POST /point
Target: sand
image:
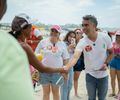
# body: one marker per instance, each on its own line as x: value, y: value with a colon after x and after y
x: 82, y: 90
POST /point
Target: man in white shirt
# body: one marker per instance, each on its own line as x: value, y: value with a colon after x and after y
x: 95, y: 47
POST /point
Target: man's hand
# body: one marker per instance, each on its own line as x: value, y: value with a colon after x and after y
x: 65, y: 75
x: 104, y: 67
x: 73, y: 60
x: 65, y: 68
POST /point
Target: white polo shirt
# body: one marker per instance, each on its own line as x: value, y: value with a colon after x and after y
x: 53, y: 55
x: 95, y: 54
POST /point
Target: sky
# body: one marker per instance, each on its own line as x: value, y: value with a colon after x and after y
x: 63, y: 12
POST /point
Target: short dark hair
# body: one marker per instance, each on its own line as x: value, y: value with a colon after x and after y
x: 91, y: 18
x: 3, y: 7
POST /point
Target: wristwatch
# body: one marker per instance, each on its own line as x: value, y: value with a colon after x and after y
x: 106, y: 63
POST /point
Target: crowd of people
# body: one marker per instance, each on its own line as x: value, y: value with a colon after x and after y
x: 85, y: 49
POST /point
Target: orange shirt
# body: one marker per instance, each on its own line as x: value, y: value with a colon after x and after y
x: 33, y: 38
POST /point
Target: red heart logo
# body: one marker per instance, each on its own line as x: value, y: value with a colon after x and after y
x: 88, y: 48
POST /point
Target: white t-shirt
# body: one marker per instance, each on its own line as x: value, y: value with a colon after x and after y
x: 53, y: 56
x: 37, y: 32
x: 95, y: 53
x: 70, y: 51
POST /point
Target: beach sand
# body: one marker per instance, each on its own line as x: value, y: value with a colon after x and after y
x: 82, y: 90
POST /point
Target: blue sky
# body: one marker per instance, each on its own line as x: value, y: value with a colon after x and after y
x: 66, y: 11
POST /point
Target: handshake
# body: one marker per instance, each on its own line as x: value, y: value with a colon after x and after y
x: 64, y: 69
x: 64, y: 72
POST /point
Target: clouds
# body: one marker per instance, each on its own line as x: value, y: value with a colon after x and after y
x: 112, y: 13
x: 65, y: 11
x: 116, y: 1
x: 56, y: 11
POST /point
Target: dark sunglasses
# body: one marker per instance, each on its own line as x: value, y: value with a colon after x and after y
x: 54, y: 35
x: 53, y: 30
x: 78, y: 32
x: 85, y: 25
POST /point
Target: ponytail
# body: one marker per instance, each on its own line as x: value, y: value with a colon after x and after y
x: 15, y: 34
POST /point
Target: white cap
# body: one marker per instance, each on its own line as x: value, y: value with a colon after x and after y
x: 26, y: 17
x: 118, y: 33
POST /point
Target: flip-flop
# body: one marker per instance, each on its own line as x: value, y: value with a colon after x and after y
x: 112, y: 95
x: 78, y: 96
x: 116, y: 96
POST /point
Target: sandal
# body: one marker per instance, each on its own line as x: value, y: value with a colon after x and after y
x: 112, y: 95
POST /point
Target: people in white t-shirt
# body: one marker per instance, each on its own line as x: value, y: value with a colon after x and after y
x: 95, y: 54
x: 55, y: 55
x: 98, y: 52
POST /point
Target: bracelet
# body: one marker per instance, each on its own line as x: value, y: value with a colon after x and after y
x: 106, y: 63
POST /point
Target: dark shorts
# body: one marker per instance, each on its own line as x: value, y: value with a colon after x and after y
x: 79, y: 66
x: 115, y: 63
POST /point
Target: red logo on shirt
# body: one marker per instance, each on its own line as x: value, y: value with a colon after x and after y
x: 52, y: 48
x: 49, y: 47
x: 88, y: 48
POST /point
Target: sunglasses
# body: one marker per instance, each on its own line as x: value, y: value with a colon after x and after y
x: 54, y: 35
x: 85, y: 25
x: 78, y: 32
x: 53, y: 30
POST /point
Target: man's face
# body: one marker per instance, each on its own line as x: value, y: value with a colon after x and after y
x: 3, y: 7
x: 87, y: 26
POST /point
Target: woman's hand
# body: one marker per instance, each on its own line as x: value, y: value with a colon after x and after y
x: 72, y: 46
